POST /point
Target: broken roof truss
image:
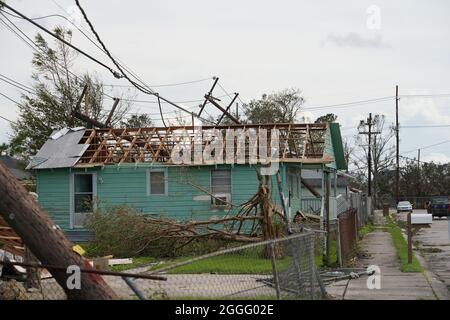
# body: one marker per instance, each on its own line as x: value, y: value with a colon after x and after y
x: 301, y: 143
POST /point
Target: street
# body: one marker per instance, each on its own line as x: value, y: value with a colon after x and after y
x: 434, y: 245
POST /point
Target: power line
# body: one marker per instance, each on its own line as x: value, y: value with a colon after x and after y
x: 349, y: 104
x: 162, y: 85
x: 107, y: 51
x: 435, y: 95
x: 426, y: 126
x: 18, y: 83
x: 15, y: 85
x: 147, y: 90
x: 115, y: 73
x: 427, y: 146
x: 10, y: 99
x: 6, y: 119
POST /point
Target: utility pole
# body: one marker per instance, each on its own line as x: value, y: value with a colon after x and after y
x: 419, y: 181
x: 397, y: 136
x: 375, y: 170
x: 369, y: 123
x: 369, y: 155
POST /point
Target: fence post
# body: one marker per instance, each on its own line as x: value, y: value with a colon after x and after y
x: 134, y: 288
x: 339, y: 243
x: 312, y: 266
x: 275, y: 271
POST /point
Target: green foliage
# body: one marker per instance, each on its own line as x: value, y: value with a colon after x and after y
x: 402, y: 248
x: 366, y: 229
x: 281, y: 107
x: 137, y: 121
x: 329, y: 117
x: 333, y: 259
x: 124, y: 232
x: 4, y: 149
x: 57, y: 93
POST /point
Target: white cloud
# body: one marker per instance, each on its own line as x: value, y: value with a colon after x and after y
x: 436, y: 157
x: 422, y: 110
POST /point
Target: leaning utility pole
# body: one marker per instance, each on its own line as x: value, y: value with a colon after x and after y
x: 46, y: 241
x: 397, y: 136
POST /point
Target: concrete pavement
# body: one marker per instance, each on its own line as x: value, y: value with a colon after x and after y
x: 395, y: 285
x: 433, y: 244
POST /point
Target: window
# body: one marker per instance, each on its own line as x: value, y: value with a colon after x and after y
x: 83, y: 198
x: 221, y: 186
x: 157, y: 182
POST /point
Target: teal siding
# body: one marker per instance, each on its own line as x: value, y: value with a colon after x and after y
x: 53, y: 188
x: 128, y: 185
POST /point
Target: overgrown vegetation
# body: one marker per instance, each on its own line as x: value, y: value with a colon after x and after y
x: 124, y: 232
x: 333, y: 259
x: 366, y: 229
x: 401, y: 247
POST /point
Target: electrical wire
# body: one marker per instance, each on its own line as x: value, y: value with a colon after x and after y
x: 350, y: 104
x: 160, y: 111
x: 163, y: 85
x: 115, y: 73
x: 425, y: 126
x: 6, y: 119
x: 17, y: 86
x: 147, y: 90
x: 10, y: 99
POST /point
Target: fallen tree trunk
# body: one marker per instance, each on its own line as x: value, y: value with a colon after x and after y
x: 47, y: 242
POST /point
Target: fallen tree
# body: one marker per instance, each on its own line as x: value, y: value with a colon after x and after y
x: 122, y: 231
x: 47, y: 242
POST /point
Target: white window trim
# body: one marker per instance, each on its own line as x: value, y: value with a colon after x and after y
x: 72, y: 195
x: 221, y: 194
x: 166, y: 184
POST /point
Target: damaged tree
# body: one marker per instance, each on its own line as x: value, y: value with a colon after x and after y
x: 45, y: 240
x: 121, y: 231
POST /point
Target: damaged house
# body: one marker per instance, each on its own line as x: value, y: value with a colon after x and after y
x: 156, y: 170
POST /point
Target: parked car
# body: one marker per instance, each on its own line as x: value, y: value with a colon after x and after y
x: 403, y: 206
x: 439, y: 207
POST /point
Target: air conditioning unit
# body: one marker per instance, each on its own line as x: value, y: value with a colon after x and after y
x: 221, y: 199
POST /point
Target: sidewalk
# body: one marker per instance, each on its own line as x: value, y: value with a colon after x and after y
x: 395, y: 285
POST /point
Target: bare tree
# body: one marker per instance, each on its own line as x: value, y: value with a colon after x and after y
x: 382, y: 156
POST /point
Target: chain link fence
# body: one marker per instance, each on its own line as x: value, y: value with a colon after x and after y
x: 276, y: 269
x: 358, y: 201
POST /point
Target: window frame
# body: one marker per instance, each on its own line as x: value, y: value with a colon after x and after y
x: 221, y: 194
x: 72, y: 197
x: 166, y: 183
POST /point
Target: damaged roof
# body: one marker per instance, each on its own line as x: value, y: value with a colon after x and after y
x: 16, y: 168
x: 80, y: 147
x: 61, y: 150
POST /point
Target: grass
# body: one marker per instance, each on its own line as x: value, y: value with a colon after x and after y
x: 366, y: 229
x: 229, y: 264
x: 333, y: 261
x: 246, y: 262
x: 137, y: 262
x: 402, y: 248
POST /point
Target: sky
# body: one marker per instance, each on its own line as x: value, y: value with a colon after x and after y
x: 334, y: 52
